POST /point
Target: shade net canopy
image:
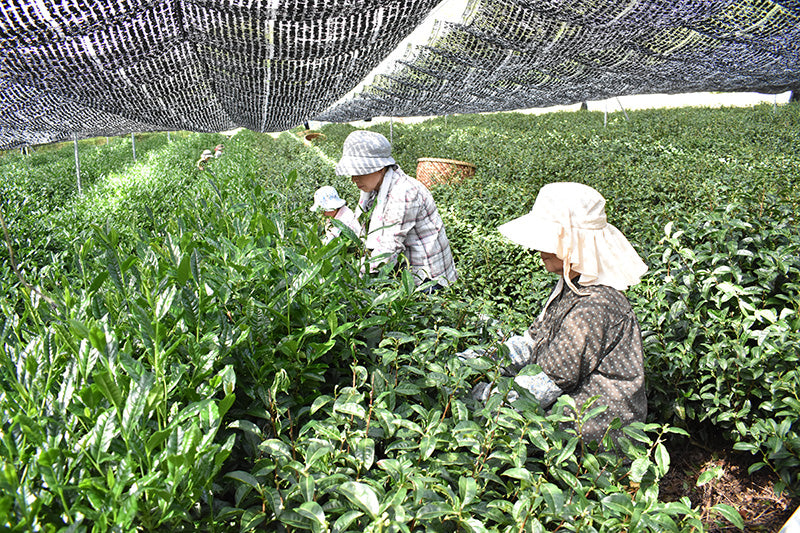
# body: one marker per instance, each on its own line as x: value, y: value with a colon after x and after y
x: 72, y: 69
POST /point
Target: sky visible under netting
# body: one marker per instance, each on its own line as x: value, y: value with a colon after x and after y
x: 84, y: 68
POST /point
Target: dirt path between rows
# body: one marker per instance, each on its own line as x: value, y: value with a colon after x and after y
x: 753, y: 495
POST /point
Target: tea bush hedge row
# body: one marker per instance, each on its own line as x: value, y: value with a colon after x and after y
x: 728, y: 179
x: 195, y: 359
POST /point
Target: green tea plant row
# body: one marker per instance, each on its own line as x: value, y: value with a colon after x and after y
x: 194, y: 358
x: 708, y: 197
x: 209, y: 366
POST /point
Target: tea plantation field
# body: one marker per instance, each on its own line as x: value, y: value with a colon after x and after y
x: 180, y: 351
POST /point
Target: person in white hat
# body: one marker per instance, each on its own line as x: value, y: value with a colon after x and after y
x: 587, y: 339
x: 403, y: 218
x: 204, y: 157
x: 327, y: 200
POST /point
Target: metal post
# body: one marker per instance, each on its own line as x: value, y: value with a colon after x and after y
x: 77, y: 163
x: 605, y: 115
x: 133, y: 145
x: 623, y: 110
x: 391, y: 130
x: 169, y: 138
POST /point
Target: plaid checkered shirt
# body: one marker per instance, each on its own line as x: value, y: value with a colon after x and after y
x: 405, y: 221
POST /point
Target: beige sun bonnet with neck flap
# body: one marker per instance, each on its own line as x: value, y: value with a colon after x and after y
x: 569, y: 220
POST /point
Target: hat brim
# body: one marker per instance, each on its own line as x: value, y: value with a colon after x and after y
x: 532, y: 232
x: 350, y: 165
x: 329, y: 207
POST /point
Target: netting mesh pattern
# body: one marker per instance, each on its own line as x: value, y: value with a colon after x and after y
x: 518, y: 54
x: 85, y: 68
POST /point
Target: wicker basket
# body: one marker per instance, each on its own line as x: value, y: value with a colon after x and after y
x: 432, y: 171
x: 310, y: 135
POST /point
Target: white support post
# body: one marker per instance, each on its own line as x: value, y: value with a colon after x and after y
x: 77, y: 163
x: 623, y: 110
x: 391, y: 130
x: 133, y: 145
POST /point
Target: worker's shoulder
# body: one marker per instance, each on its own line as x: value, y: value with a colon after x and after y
x: 604, y: 296
x: 410, y: 188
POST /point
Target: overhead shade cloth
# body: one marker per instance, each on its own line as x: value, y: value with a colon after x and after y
x: 85, y: 68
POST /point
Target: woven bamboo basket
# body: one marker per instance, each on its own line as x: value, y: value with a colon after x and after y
x: 310, y: 135
x: 433, y: 171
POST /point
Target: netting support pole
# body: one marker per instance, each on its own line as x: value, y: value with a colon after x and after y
x: 623, y: 110
x: 77, y: 163
x: 605, y: 115
x: 169, y: 138
x: 133, y: 146
x: 391, y: 130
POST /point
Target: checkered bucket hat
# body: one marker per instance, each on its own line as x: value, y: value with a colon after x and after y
x: 364, y: 152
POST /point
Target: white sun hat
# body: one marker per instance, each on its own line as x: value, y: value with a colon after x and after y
x: 327, y: 199
x: 569, y: 220
x: 364, y: 152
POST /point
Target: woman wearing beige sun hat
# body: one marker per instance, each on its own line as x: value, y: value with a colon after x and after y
x: 586, y: 340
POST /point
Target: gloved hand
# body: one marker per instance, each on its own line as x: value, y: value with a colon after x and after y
x: 481, y: 391
x: 520, y: 350
x: 541, y: 386
x: 470, y: 354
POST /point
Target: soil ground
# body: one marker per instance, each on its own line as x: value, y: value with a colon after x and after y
x: 752, y: 495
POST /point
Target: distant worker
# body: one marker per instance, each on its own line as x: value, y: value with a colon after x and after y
x: 218, y: 151
x: 204, y: 158
x: 403, y: 219
x: 327, y: 199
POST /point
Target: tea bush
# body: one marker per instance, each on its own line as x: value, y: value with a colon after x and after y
x: 723, y: 346
x: 186, y: 355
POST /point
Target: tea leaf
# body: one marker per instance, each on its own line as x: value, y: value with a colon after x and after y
x: 184, y: 270
x: 729, y: 513
x: 313, y: 511
x: 361, y: 495
x: 135, y: 403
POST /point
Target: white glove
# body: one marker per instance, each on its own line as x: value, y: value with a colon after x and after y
x: 470, y: 354
x: 542, y: 387
x: 520, y: 349
x: 481, y: 391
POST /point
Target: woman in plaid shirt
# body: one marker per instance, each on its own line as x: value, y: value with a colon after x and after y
x: 403, y: 219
